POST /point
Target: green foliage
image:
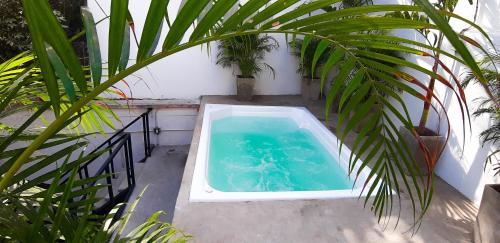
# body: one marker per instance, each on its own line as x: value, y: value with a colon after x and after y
x: 355, y: 36
x: 47, y: 201
x: 246, y: 52
x: 93, y: 46
x: 436, y: 39
x: 152, y: 230
x: 448, y: 5
x: 307, y: 57
x: 306, y: 53
x: 22, y: 90
x: 14, y: 33
x: 54, y: 215
x: 355, y: 3
x: 489, y: 107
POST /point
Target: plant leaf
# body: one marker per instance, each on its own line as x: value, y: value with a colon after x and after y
x: 320, y: 49
x: 61, y: 72
x: 212, y: 17
x: 237, y: 18
x: 93, y: 47
x: 125, y: 54
x: 188, y: 13
x: 452, y: 37
x: 117, y: 28
x: 42, y: 56
x: 154, y: 21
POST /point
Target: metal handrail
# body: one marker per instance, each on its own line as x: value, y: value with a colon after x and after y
x: 108, y: 144
x: 125, y: 142
x: 119, y: 141
x: 145, y: 125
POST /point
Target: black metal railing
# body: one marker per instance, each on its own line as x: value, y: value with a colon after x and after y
x: 145, y: 128
x: 119, y: 141
x: 122, y: 143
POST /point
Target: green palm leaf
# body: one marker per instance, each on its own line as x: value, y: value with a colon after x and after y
x: 154, y: 20
x: 93, y: 46
x: 117, y: 33
x: 452, y: 37
x: 48, y: 30
x: 244, y: 12
x: 214, y: 15
x: 187, y: 14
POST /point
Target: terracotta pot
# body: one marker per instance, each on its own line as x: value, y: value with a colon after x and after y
x: 311, y: 88
x: 244, y: 89
x: 434, y: 144
x: 488, y: 218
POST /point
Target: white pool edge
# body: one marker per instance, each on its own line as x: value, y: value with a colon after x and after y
x: 201, y: 191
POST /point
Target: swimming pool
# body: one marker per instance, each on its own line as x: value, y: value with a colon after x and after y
x: 250, y: 153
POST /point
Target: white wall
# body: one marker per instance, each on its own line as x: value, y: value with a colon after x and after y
x: 193, y: 73
x: 176, y: 123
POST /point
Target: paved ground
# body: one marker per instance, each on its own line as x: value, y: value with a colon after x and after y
x: 449, y: 219
x: 162, y: 173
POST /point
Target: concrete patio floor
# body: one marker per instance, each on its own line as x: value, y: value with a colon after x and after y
x: 450, y: 217
x: 162, y: 174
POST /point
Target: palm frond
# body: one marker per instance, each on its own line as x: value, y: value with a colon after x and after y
x: 489, y: 106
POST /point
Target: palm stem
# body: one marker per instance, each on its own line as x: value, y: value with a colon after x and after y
x: 430, y: 89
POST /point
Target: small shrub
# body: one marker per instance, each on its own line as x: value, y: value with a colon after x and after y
x: 14, y: 33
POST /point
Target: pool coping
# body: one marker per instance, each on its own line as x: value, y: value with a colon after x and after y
x: 449, y: 219
x: 201, y: 191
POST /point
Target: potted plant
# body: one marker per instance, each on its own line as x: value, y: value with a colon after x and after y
x: 488, y: 217
x: 425, y: 144
x: 311, y: 84
x: 247, y: 53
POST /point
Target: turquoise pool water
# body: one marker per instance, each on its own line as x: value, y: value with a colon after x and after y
x: 260, y: 154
